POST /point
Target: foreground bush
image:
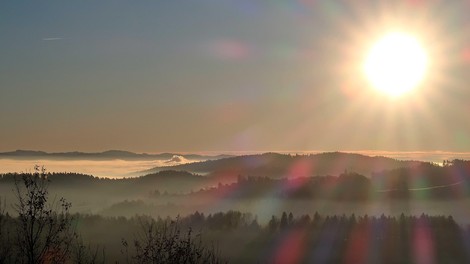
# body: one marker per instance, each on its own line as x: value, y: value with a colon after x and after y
x: 166, y: 243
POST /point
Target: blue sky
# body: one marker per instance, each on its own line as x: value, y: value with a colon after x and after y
x: 214, y: 75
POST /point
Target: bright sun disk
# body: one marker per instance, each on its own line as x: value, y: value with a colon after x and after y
x: 396, y: 64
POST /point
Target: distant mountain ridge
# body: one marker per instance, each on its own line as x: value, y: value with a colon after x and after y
x: 275, y: 165
x: 106, y: 155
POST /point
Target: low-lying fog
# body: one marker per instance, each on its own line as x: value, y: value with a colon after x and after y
x: 99, y: 168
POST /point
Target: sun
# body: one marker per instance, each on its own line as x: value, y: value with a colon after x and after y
x: 396, y: 63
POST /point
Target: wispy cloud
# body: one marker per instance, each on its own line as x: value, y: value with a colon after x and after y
x: 52, y: 39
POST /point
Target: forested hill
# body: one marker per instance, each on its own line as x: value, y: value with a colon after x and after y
x: 276, y: 165
x: 422, y: 180
x: 425, y: 181
x: 170, y: 181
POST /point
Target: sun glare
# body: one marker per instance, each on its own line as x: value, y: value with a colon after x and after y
x: 396, y: 64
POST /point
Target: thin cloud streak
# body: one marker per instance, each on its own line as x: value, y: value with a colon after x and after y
x: 52, y: 39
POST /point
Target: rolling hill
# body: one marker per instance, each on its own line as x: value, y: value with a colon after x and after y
x: 275, y: 165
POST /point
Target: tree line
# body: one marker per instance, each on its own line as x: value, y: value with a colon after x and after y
x: 42, y: 230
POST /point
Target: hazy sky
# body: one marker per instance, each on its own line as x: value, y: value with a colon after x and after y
x: 214, y: 75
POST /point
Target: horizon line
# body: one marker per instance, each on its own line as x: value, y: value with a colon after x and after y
x: 221, y: 152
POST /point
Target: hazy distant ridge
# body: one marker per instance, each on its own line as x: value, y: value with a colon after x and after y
x: 275, y: 165
x: 106, y: 155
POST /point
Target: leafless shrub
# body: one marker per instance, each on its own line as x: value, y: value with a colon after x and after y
x: 44, y: 231
x: 165, y: 243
